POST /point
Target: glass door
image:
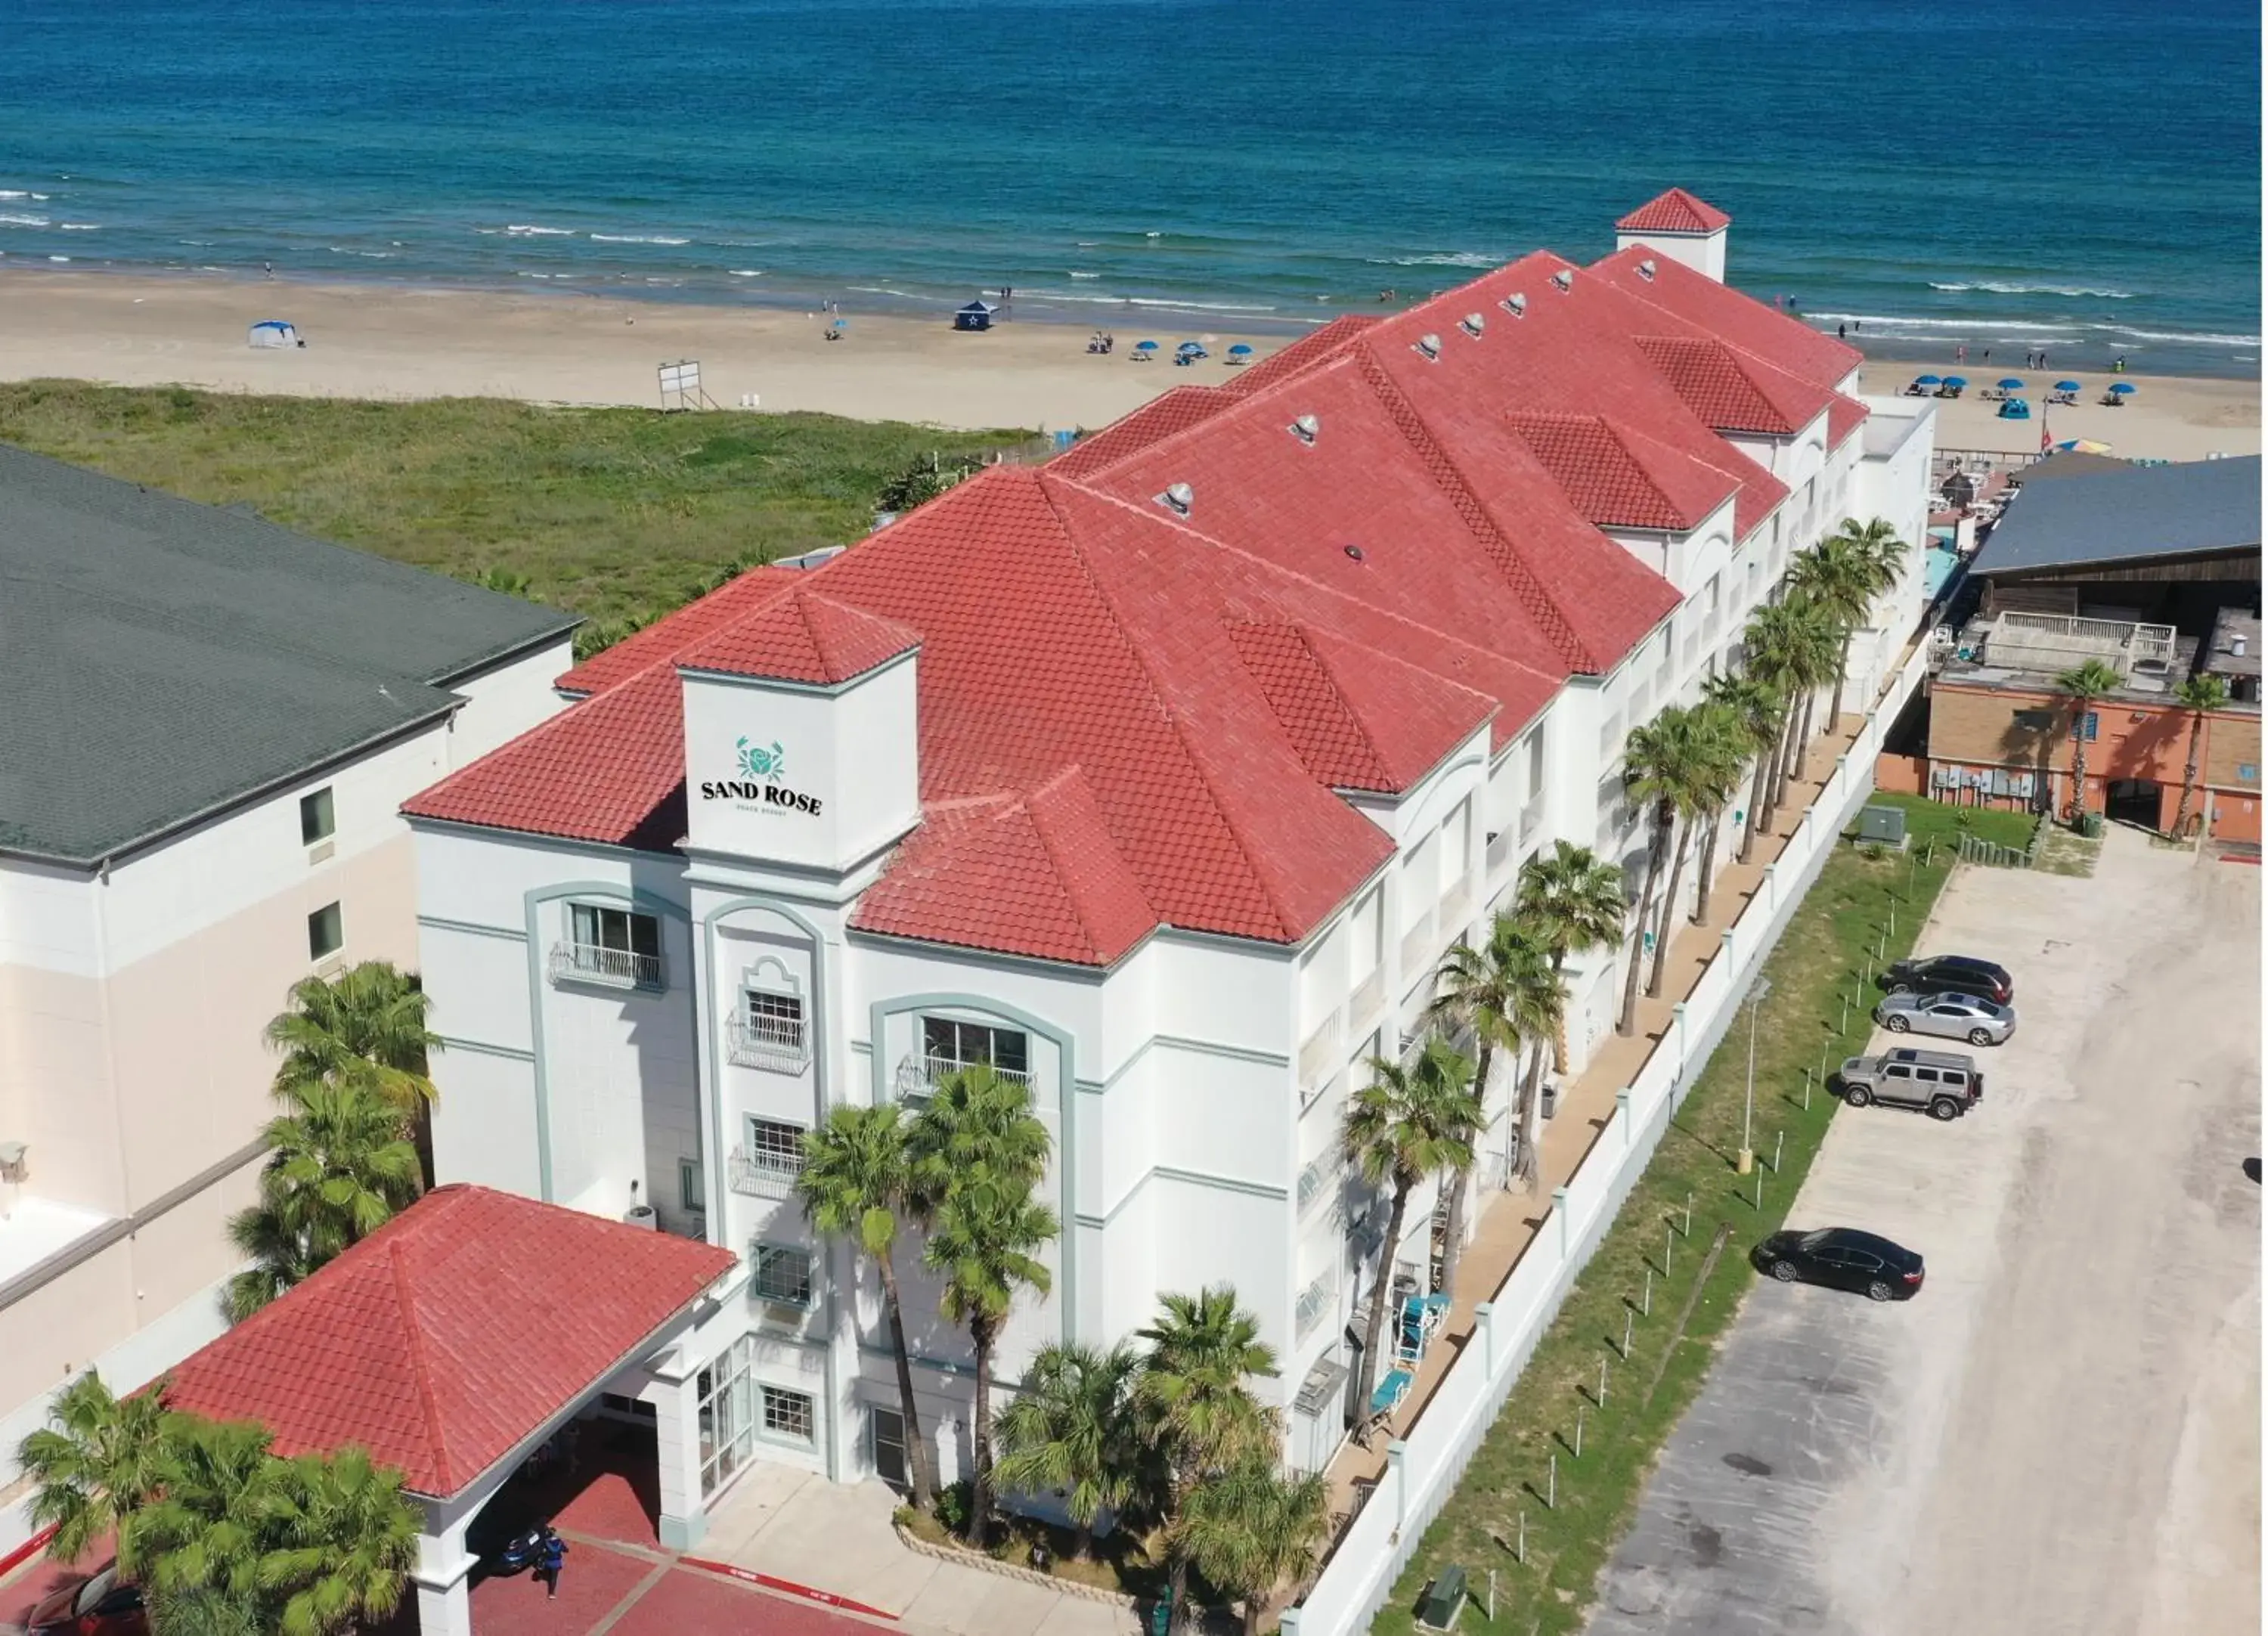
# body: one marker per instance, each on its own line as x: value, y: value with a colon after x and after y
x: 887, y: 1429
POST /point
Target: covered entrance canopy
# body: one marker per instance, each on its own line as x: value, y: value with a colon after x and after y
x: 457, y: 1338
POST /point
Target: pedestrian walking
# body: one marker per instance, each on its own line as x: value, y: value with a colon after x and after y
x: 1961, y: 353
x: 1842, y: 332
x: 550, y: 1556
x: 267, y: 269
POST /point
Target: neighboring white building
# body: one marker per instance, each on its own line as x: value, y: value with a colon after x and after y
x: 1160, y: 776
x: 212, y: 724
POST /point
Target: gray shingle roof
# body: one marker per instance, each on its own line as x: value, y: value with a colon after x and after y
x: 160, y: 659
x: 2125, y: 516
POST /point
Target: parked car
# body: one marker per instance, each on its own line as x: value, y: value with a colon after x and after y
x: 1843, y: 1258
x: 1961, y: 973
x: 1945, y: 1084
x: 1955, y: 1016
x: 99, y: 1606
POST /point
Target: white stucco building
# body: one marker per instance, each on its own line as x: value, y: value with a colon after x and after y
x: 211, y: 725
x: 1160, y: 776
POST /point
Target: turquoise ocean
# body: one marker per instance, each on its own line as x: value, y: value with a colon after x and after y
x: 2083, y: 176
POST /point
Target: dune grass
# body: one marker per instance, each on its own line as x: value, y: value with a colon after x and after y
x: 1839, y: 936
x: 612, y: 513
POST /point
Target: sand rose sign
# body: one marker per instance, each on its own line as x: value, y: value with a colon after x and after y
x: 763, y: 770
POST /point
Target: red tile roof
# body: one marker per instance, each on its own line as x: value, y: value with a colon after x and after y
x: 1844, y: 416
x: 802, y: 637
x: 450, y: 1334
x: 1129, y: 717
x: 1675, y: 211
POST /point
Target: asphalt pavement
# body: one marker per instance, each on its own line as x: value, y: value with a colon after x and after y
x: 2061, y: 1433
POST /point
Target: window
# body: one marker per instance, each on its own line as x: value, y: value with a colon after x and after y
x: 324, y: 933
x: 783, y: 1274
x: 2084, y: 726
x: 2248, y: 772
x: 775, y: 1148
x: 317, y: 822
x: 727, y: 1429
x: 614, y: 945
x: 692, y: 1191
x: 1535, y: 762
x: 774, y: 1018
x: 787, y: 1413
x: 947, y: 1045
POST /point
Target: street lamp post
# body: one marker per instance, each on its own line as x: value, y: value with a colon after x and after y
x: 1755, y: 1000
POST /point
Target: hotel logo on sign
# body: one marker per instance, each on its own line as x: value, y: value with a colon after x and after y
x: 762, y: 768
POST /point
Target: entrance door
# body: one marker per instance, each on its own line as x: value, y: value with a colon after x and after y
x: 887, y: 1427
x: 2137, y: 801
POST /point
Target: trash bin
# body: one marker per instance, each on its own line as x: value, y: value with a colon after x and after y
x: 2090, y: 825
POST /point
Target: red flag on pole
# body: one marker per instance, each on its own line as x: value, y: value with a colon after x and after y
x: 2044, y: 445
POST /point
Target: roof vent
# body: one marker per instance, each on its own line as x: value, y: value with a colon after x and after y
x: 1645, y: 269
x: 1178, y: 498
x: 1306, y: 429
x: 1429, y: 347
x: 1563, y: 281
x: 1353, y: 552
x: 1472, y: 324
x: 1516, y: 304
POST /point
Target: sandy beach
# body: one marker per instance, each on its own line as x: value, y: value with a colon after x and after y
x: 401, y: 342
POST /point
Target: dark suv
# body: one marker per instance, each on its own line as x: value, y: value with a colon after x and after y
x: 1944, y: 1084
x: 1958, y: 973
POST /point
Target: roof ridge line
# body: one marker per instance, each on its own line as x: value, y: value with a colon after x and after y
x: 1527, y: 585
x: 415, y: 1337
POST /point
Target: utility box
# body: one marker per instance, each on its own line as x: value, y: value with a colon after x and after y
x: 1882, y: 826
x: 1445, y: 1599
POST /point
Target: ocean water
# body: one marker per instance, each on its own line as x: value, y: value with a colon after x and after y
x: 2083, y: 176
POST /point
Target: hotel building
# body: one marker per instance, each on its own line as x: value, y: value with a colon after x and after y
x: 212, y: 724
x: 1159, y: 777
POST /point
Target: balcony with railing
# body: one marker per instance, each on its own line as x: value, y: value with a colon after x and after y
x: 918, y: 1074
x: 1315, y: 1304
x: 1316, y: 1179
x: 1319, y: 1054
x: 1531, y: 818
x: 757, y: 1175
x: 1369, y: 995
x: 606, y: 967
x: 777, y: 1043
x: 1418, y: 949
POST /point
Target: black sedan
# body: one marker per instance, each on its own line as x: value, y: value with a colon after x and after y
x: 1956, y: 974
x: 1843, y: 1258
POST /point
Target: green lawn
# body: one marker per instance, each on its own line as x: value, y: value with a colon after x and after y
x: 1828, y: 945
x: 612, y: 513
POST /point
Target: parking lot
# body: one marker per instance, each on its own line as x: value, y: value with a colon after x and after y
x: 2062, y: 1432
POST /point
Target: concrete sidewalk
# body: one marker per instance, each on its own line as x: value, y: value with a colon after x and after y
x: 834, y: 1537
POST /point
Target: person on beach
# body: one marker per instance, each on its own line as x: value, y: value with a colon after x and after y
x: 1961, y: 353
x: 2119, y: 368
x: 1842, y: 332
x: 267, y: 269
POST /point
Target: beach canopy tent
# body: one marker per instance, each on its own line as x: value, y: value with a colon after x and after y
x: 2016, y: 408
x: 273, y: 332
x: 975, y: 315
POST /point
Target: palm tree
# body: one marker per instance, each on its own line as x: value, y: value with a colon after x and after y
x: 1196, y: 1411
x: 367, y: 1025
x: 2200, y: 695
x: 337, y: 1170
x: 1539, y: 1013
x: 1479, y: 989
x: 1070, y: 1431
x: 1573, y: 900
x: 208, y: 1530
x: 973, y: 1117
x: 1406, y: 1124
x: 1843, y: 576
x: 97, y: 1462
x: 985, y: 1233
x: 343, y: 1535
x: 1252, y: 1527
x: 1758, y: 711
x: 1789, y: 646
x: 2082, y: 685
x: 854, y: 1184
x: 1715, y: 783
x: 1666, y: 764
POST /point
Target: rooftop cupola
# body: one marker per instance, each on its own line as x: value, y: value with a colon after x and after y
x: 1680, y: 227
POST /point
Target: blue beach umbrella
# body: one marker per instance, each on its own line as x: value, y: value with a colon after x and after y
x: 2120, y: 388
x: 1189, y: 346
x: 1956, y: 380
x: 1146, y: 346
x: 2009, y: 383
x: 1928, y: 381
x: 1240, y: 351
x: 2067, y: 386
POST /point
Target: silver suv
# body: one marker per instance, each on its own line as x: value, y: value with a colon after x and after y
x: 1950, y: 1015
x: 1943, y: 1084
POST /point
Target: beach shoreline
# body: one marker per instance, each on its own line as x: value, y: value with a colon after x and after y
x: 387, y: 340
